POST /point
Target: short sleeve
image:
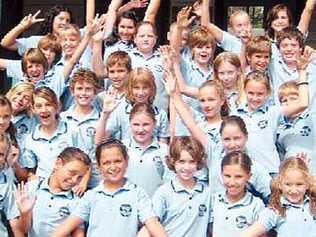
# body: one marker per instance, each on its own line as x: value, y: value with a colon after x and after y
x: 268, y: 218
x: 28, y: 159
x: 57, y: 83
x: 144, y: 206
x: 83, y: 208
x: 14, y: 71
x: 11, y: 210
x: 25, y: 43
x: 159, y: 204
x: 230, y: 43
x: 163, y: 126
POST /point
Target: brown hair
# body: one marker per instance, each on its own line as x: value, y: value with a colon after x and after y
x: 142, y: 76
x: 34, y: 55
x: 110, y: 143
x: 258, y: 77
x: 237, y: 158
x: 11, y: 130
x: 120, y: 58
x: 290, y: 33
x: 190, y: 145
x: 273, y: 14
x: 220, y: 90
x: 50, y: 41
x: 258, y: 44
x: 201, y: 37
x: 292, y: 163
x: 288, y: 88
x: 234, y: 120
x: 74, y: 153
x: 143, y: 108
x: 47, y: 94
x: 84, y: 75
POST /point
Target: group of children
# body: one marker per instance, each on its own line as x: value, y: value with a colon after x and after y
x: 103, y: 133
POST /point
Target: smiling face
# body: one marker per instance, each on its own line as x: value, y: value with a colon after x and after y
x: 235, y: 180
x: 35, y: 71
x: 69, y: 42
x: 241, y: 26
x: 69, y: 174
x: 112, y: 166
x: 202, y: 54
x: 290, y: 50
x: 21, y: 100
x: 126, y: 29
x: 118, y: 75
x: 281, y: 21
x: 211, y: 102
x: 142, y: 126
x: 259, y: 61
x: 228, y: 74
x: 233, y: 138
x: 185, y: 166
x: 294, y: 185
x: 60, y: 21
x: 257, y: 94
x: 84, y: 93
x: 45, y: 110
x: 49, y: 54
x: 141, y: 92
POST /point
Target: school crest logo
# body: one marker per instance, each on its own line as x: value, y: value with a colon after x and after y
x: 90, y: 131
x: 158, y: 164
x: 241, y: 222
x: 125, y: 210
x: 263, y: 124
x: 202, y: 209
x: 22, y: 129
x: 64, y: 211
x: 305, y: 131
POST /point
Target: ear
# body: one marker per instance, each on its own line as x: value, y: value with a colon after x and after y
x: 58, y: 163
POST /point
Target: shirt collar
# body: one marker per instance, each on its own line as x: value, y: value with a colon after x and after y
x: 44, y: 185
x: 178, y: 187
x: 61, y: 129
x: 3, y: 177
x: 195, y: 67
x: 155, y: 54
x: 243, y: 108
x: 93, y: 115
x: 286, y: 203
x: 245, y: 201
x: 126, y: 187
x: 153, y: 145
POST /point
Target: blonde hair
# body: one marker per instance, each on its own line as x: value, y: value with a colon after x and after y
x: 259, y: 44
x: 20, y: 87
x: 200, y: 37
x: 220, y: 90
x: 292, y: 163
x: 288, y: 88
x: 258, y: 76
x: 143, y: 76
x: 237, y: 13
x: 71, y: 30
x: 47, y: 94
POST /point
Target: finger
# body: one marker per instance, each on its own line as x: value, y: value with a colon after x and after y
x: 37, y: 13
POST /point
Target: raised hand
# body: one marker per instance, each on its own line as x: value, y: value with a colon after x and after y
x: 303, y: 156
x: 170, y: 82
x: 183, y: 20
x: 303, y: 60
x: 168, y: 56
x: 109, y: 101
x: 138, y: 3
x: 24, y: 202
x: 197, y: 8
x: 30, y: 19
x: 99, y: 35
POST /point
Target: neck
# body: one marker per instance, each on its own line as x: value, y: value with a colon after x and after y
x: 82, y: 110
x: 235, y: 198
x: 188, y: 184
x: 216, y: 119
x: 49, y: 129
x: 145, y: 144
x: 147, y: 54
x: 110, y: 186
x: 292, y: 65
x: 53, y: 184
x: 204, y: 67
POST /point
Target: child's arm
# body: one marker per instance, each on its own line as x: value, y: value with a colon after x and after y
x: 13, y: 160
x: 183, y: 110
x: 152, y: 10
x: 67, y: 227
x: 80, y: 188
x: 256, y: 229
x: 132, y: 4
x: 303, y: 90
x: 79, y: 232
x: 9, y: 40
x: 306, y: 16
x: 3, y: 64
x: 90, y: 11
x: 91, y: 30
x: 109, y: 104
x: 205, y: 17
x: 112, y: 14
x: 155, y: 228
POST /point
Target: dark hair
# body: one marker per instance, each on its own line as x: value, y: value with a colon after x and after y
x: 190, y: 145
x: 273, y: 14
x: 144, y: 108
x: 234, y: 120
x: 109, y: 143
x: 237, y: 158
x: 11, y: 130
x: 74, y: 153
x: 47, y: 24
x: 290, y: 33
x: 114, y: 36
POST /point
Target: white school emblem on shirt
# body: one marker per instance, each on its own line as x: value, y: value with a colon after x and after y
x: 202, y: 209
x: 125, y: 210
x: 241, y: 222
x: 263, y: 124
x: 64, y: 212
x: 90, y: 131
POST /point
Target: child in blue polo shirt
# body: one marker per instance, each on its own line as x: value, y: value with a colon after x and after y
x: 116, y: 206
x: 291, y: 211
x: 183, y: 204
x: 46, y: 203
x: 234, y: 209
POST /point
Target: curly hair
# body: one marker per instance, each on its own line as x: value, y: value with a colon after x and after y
x: 47, y: 24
